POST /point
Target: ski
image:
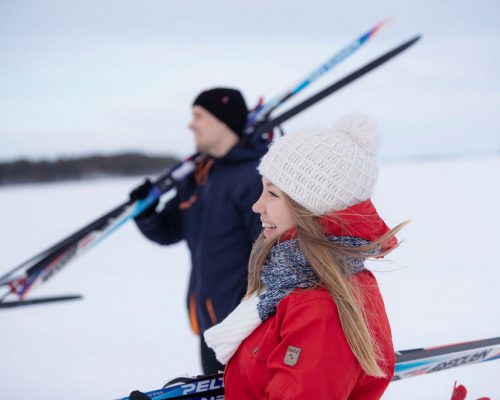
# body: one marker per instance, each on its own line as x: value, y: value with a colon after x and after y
x: 433, y: 359
x: 43, y: 266
x: 409, y: 363
x: 267, y: 126
x: 190, y: 388
x: 38, y: 258
x: 40, y: 300
x: 263, y: 111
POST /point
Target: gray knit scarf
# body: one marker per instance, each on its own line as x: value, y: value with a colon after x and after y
x: 286, y: 269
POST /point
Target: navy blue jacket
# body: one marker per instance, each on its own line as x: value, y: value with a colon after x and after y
x: 216, y: 220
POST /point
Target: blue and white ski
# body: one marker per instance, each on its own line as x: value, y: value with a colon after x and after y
x: 409, y: 363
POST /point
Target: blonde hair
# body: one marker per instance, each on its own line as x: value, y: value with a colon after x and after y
x: 326, y: 259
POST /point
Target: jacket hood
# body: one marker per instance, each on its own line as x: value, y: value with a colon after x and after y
x: 360, y: 220
x: 243, y: 151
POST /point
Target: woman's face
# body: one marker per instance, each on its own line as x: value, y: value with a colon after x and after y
x: 275, y: 214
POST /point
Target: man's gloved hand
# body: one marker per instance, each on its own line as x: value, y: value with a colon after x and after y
x: 141, y: 192
x: 136, y: 395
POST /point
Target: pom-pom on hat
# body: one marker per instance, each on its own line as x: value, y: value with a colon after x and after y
x: 227, y: 105
x: 326, y: 170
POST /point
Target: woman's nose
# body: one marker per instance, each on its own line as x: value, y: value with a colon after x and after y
x: 257, y: 206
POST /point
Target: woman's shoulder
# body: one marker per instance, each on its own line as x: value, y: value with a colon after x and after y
x: 317, y: 297
x: 308, y: 310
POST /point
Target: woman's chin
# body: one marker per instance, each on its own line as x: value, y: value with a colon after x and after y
x: 270, y: 233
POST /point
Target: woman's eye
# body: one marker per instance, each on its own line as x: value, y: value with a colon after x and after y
x: 272, y: 194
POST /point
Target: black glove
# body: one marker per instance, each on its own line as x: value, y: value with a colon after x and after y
x: 136, y: 395
x: 141, y: 192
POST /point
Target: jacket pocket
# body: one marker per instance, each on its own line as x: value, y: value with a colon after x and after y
x: 261, y: 348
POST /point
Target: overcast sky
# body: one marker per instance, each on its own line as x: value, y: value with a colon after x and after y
x: 79, y: 77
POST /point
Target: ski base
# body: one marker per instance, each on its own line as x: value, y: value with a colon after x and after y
x: 39, y: 300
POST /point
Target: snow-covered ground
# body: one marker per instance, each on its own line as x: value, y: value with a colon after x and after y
x: 131, y: 329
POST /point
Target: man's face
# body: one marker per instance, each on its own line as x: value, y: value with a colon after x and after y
x: 208, y: 131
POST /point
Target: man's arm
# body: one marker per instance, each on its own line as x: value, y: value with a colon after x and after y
x: 164, y: 227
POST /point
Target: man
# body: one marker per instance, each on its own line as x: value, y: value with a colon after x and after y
x: 212, y: 211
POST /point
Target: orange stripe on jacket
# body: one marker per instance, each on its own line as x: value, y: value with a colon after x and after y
x: 193, y: 318
x: 201, y: 172
x: 211, y: 310
x: 188, y: 203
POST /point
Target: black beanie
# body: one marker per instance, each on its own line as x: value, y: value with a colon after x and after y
x: 227, y: 105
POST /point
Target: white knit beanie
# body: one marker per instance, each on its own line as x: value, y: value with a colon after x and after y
x: 326, y: 170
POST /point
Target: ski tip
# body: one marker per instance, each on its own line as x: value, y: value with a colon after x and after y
x: 380, y: 25
x: 389, y: 20
x: 416, y: 38
x: 410, y: 42
x: 373, y: 31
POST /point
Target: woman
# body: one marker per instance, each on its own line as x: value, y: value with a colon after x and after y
x: 313, y: 323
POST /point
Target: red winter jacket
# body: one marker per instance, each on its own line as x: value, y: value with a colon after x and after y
x: 307, y: 321
x: 301, y: 351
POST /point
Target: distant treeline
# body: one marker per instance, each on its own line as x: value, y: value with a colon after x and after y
x: 88, y: 167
